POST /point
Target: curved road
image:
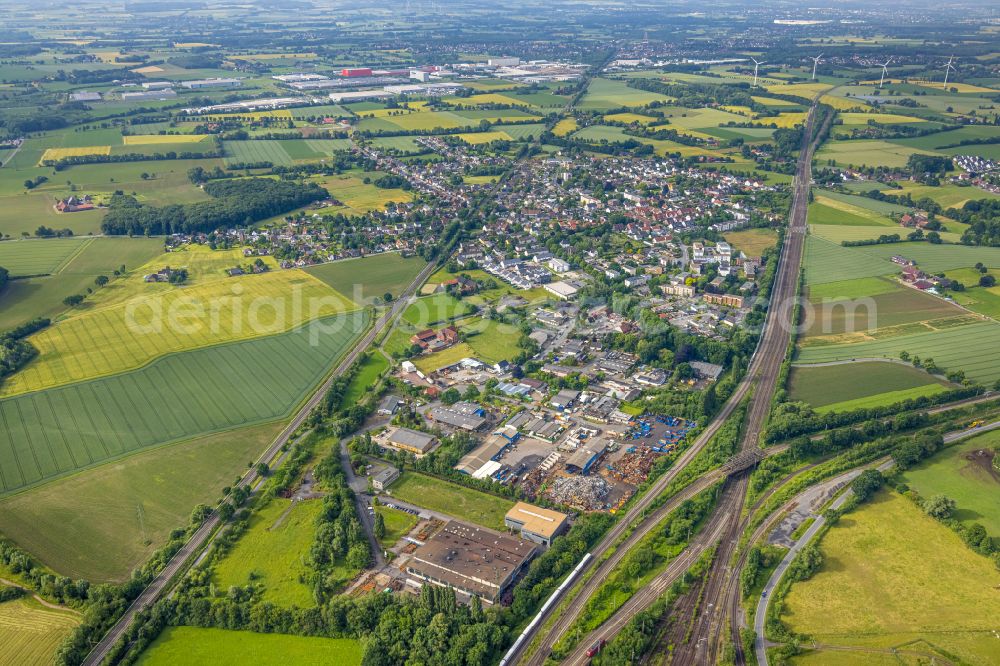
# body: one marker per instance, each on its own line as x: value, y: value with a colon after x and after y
x: 203, y: 535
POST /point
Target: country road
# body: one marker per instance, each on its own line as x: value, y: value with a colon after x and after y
x: 203, y: 535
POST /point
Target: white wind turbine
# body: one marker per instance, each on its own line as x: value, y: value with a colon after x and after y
x: 885, y: 70
x: 756, y: 65
x: 948, y: 68
x: 815, y: 63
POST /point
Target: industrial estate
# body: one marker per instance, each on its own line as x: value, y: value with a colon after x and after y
x: 419, y: 333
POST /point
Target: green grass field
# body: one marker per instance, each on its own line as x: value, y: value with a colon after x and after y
x: 970, y: 347
x: 857, y: 288
x: 451, y: 499
x: 434, y: 309
x: 274, y: 552
x: 368, y: 278
x: 954, y: 472
x: 492, y: 341
x: 26, y: 299
x: 373, y: 364
x: 64, y: 429
x: 827, y: 210
x: 753, y: 242
x: 833, y: 384
x: 101, y: 523
x: 26, y: 212
x: 254, y: 151
x: 397, y: 525
x: 894, y: 576
x: 30, y: 634
x: 220, y: 647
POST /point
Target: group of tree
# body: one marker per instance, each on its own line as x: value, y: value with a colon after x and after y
x: 15, y: 350
x: 235, y: 203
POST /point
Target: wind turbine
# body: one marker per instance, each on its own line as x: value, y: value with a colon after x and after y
x: 885, y: 70
x: 948, y: 68
x: 756, y: 65
x: 816, y: 62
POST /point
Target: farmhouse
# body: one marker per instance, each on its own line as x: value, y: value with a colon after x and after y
x: 535, y: 523
x: 471, y: 559
x: 73, y: 204
x: 162, y: 275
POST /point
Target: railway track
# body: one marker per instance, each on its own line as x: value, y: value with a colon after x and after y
x: 759, y: 384
x: 705, y: 645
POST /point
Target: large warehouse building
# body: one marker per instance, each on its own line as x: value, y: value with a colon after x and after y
x: 535, y: 523
x: 471, y: 559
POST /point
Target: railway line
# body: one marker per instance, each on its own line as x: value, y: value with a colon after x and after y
x: 704, y: 645
x: 759, y: 384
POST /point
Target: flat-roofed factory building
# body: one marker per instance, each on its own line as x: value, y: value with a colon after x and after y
x: 470, y: 559
x: 535, y: 523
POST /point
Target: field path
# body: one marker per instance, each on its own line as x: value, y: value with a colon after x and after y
x: 36, y: 597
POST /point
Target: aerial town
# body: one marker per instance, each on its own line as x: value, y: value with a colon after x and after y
x: 495, y: 335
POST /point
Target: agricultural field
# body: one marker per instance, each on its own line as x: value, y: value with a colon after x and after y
x: 40, y: 257
x: 947, y: 195
x: 752, y: 242
x: 837, y: 211
x: 274, y: 553
x: 221, y: 647
x: 833, y: 385
x: 50, y: 433
x: 451, y: 499
x: 964, y: 473
x: 56, y: 154
x: 155, y: 139
x: 101, y: 523
x: 893, y: 576
x: 969, y: 347
x: 937, y: 258
x: 866, y: 152
x: 363, y: 280
x: 358, y: 197
x: 120, y: 337
x: 610, y: 93
x: 902, y: 309
x: 25, y: 299
x: 30, y: 633
x: 397, y: 525
x: 830, y: 262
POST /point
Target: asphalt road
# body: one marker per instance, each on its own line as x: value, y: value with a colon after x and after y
x: 203, y: 535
